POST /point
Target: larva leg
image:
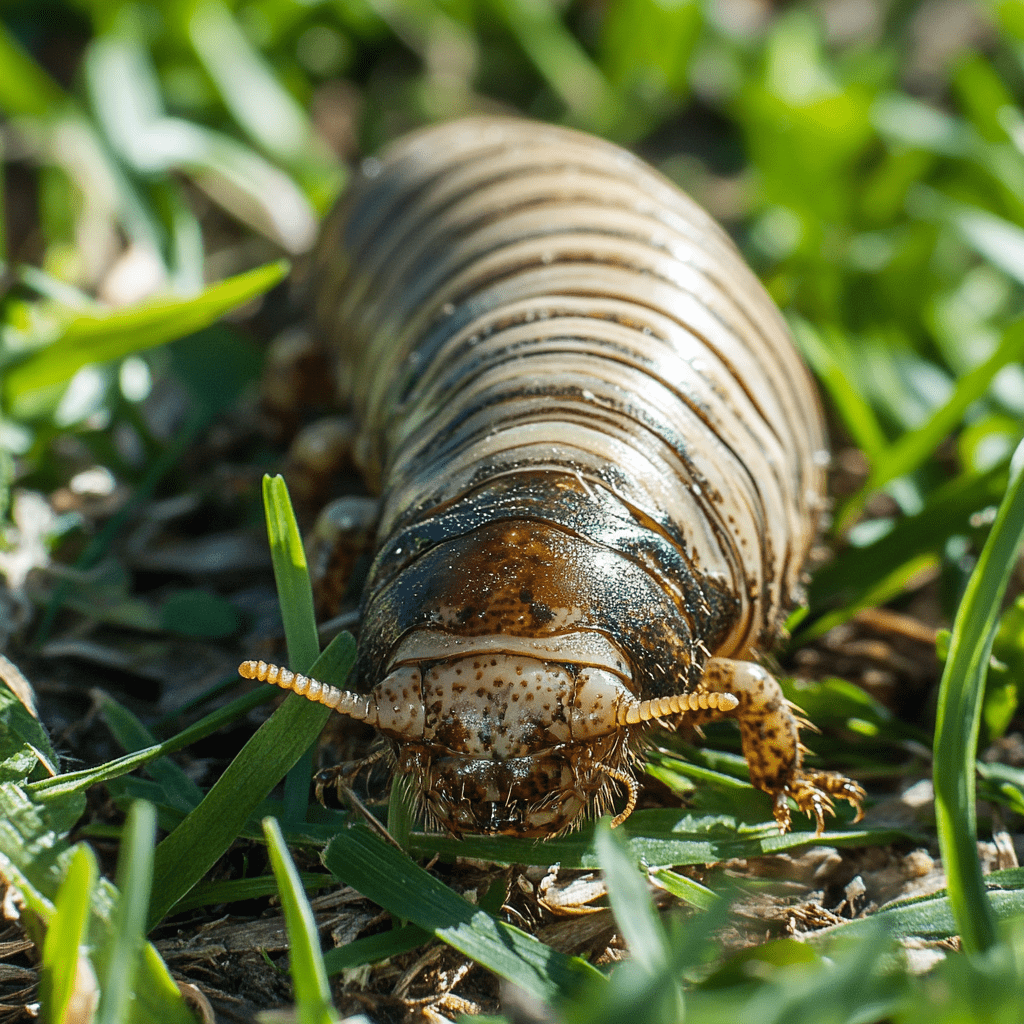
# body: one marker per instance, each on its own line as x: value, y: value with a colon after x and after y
x: 770, y: 729
x: 344, y: 532
x: 342, y: 776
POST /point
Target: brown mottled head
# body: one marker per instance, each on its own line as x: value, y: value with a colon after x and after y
x: 504, y: 743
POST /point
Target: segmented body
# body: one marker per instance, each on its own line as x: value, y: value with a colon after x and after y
x: 601, y: 463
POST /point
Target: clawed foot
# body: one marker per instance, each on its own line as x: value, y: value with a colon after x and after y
x: 814, y: 793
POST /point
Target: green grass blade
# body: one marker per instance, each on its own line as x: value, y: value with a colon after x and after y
x: 959, y: 716
x: 686, y: 889
x: 915, y: 446
x: 291, y: 575
x: 296, y: 596
x: 660, y: 838
x: 309, y: 976
x: 857, y: 414
x: 25, y: 748
x: 559, y: 57
x: 857, y: 571
x: 66, y: 935
x: 89, y: 338
x: 235, y: 890
x: 134, y: 878
x: 34, y: 857
x: 180, y: 790
x: 388, y: 877
x: 257, y: 99
x: 196, y: 844
x: 374, y: 948
x: 998, y: 240
x: 401, y: 812
x: 631, y: 902
x: 25, y: 88
x: 73, y: 782
x: 930, y: 917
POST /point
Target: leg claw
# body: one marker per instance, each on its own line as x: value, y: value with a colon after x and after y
x: 814, y: 793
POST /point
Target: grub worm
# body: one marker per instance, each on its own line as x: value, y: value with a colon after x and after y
x: 601, y: 466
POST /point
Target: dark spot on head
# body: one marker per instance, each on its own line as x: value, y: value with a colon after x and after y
x: 526, y: 595
x: 541, y: 612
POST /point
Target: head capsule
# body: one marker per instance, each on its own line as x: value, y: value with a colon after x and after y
x: 504, y: 743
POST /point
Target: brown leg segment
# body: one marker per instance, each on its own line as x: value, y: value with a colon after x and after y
x: 770, y: 729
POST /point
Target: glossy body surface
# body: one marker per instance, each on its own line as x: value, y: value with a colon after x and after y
x: 601, y: 464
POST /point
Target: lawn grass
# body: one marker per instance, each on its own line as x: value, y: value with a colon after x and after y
x: 877, y: 187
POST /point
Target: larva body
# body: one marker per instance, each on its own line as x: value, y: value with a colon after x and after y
x: 601, y: 464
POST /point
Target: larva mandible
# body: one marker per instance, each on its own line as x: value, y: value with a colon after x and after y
x: 600, y: 460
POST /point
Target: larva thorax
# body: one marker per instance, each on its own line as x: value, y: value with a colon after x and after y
x: 601, y: 465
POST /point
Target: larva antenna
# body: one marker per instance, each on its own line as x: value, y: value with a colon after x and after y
x: 361, y: 706
x: 634, y: 712
x: 632, y: 789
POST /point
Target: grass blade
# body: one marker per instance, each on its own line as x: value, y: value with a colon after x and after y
x: 134, y: 878
x: 959, y: 716
x: 25, y: 88
x: 660, y: 838
x: 631, y: 903
x: 374, y: 948
x: 180, y: 790
x: 296, y: 596
x: 686, y: 889
x: 90, y: 338
x: 291, y: 576
x: 388, y: 877
x: 66, y: 936
x: 309, y: 976
x: 856, y: 411
x: 915, y: 446
x: 196, y: 844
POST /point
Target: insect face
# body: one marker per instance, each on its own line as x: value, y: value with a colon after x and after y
x: 505, y: 743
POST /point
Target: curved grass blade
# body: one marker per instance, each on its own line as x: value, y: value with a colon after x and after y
x: 959, y: 716
x: 309, y: 976
x: 74, y: 782
x: 179, y: 790
x: 387, y: 876
x: 915, y: 446
x: 90, y: 338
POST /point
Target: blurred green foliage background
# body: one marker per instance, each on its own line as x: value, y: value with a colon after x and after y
x: 867, y: 155
x: 158, y: 160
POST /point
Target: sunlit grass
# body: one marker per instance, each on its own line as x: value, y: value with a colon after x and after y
x: 884, y: 212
